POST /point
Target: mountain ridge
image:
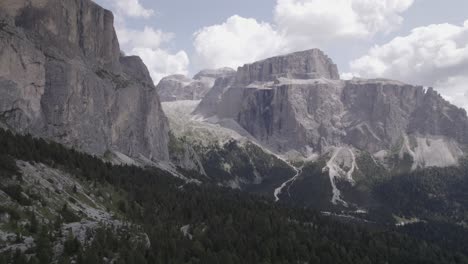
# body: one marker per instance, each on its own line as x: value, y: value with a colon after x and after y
x: 289, y: 162
x: 180, y: 87
x: 319, y: 111
x: 346, y: 126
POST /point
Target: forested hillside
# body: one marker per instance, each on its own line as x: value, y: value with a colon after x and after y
x: 187, y: 223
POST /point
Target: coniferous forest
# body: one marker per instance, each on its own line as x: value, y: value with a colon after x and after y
x: 224, y: 226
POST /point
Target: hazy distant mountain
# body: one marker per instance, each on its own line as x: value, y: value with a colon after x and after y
x: 180, y: 87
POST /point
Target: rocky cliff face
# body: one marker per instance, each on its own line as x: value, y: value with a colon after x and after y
x: 347, y: 133
x: 310, y: 64
x: 297, y: 103
x: 180, y: 87
x: 210, y: 105
x: 62, y: 77
x: 380, y: 112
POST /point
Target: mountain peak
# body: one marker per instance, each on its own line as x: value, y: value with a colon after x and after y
x: 308, y: 64
x: 177, y: 77
x: 214, y: 73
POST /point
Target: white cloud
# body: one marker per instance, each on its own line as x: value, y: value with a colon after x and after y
x: 380, y: 15
x: 149, y: 45
x: 235, y: 42
x: 299, y: 24
x: 435, y: 55
x: 318, y: 22
x: 348, y: 75
x: 318, y: 19
x: 132, y: 8
x: 161, y: 63
x: 455, y: 90
x: 147, y: 38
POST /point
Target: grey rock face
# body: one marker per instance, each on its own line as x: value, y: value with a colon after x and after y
x: 380, y: 112
x: 210, y: 105
x: 214, y: 74
x: 308, y: 64
x: 180, y: 87
x: 22, y: 82
x: 287, y: 104
x: 71, y: 28
x: 292, y: 116
x: 184, y: 156
x: 62, y: 78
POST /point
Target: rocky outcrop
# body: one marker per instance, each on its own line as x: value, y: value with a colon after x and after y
x: 180, y: 87
x: 380, y: 112
x: 62, y: 77
x: 296, y: 102
x: 221, y: 153
x: 184, y: 156
x: 213, y: 74
x: 210, y: 105
x: 310, y: 64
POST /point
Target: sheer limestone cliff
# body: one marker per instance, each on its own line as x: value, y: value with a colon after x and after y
x: 310, y: 64
x: 62, y: 77
x: 296, y: 102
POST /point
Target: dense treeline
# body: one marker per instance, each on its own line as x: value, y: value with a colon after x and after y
x: 432, y: 194
x: 446, y: 235
x: 105, y: 244
x: 221, y: 225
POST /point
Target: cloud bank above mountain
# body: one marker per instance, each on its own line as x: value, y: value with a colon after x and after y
x: 435, y: 55
x: 298, y: 25
x: 431, y: 55
x: 235, y: 42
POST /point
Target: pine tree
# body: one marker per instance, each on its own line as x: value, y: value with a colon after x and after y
x: 19, y: 257
x: 43, y: 246
x: 72, y: 245
x: 33, y: 223
x: 34, y: 260
x: 64, y: 260
x: 3, y: 258
x: 91, y: 256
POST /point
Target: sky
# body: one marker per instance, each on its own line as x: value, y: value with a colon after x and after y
x: 421, y: 42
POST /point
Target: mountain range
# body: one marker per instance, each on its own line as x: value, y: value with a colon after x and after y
x: 286, y: 130
x: 296, y: 108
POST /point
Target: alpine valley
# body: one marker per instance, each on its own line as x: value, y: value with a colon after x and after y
x: 279, y: 161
